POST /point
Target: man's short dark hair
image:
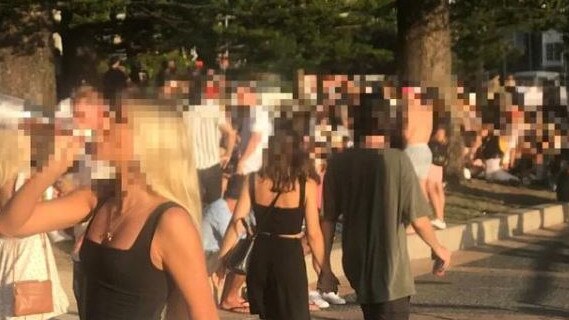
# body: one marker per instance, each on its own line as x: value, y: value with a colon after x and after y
x: 371, y: 117
x: 113, y: 60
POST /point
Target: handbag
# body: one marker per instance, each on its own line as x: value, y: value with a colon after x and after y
x: 33, y: 296
x: 238, y: 260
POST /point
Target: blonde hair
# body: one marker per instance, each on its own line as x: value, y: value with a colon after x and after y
x: 14, y: 153
x: 163, y: 147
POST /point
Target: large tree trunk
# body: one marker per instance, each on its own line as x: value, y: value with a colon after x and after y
x: 424, y: 42
x: 26, y: 58
x: 425, y: 58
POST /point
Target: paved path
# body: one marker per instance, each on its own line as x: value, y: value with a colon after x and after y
x: 525, y: 278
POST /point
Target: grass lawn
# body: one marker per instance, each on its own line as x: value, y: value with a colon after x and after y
x: 477, y: 198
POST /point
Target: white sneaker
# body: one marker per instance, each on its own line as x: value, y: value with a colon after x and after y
x: 316, y: 298
x: 333, y: 298
x: 439, y: 224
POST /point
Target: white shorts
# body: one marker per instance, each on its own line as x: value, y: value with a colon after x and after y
x: 421, y: 158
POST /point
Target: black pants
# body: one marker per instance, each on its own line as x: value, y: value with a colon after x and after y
x: 79, y: 289
x: 391, y: 310
x: 276, y: 279
x: 210, y: 184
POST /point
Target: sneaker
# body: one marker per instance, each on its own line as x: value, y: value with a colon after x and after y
x: 316, y: 299
x: 333, y: 298
x: 439, y: 224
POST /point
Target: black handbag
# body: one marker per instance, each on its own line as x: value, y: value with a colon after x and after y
x: 238, y: 260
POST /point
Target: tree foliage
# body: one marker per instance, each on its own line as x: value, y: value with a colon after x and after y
x: 322, y: 35
x: 275, y: 35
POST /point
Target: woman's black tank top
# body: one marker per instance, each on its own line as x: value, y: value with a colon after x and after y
x: 278, y: 221
x: 124, y: 284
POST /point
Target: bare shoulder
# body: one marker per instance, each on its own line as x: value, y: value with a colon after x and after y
x: 311, y: 184
x: 175, y: 222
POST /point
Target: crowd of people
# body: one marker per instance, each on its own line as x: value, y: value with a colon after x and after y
x: 162, y: 189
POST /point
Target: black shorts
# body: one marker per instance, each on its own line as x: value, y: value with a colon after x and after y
x: 234, y: 186
x: 210, y: 184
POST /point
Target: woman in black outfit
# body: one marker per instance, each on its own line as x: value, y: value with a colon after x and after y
x: 276, y: 278
x: 142, y: 249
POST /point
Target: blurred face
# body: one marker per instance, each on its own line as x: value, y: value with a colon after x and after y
x: 440, y: 135
x: 90, y: 114
x: 116, y: 145
x: 411, y: 95
x: 245, y: 97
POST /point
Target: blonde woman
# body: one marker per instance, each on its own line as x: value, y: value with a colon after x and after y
x: 143, y: 245
x: 25, y: 258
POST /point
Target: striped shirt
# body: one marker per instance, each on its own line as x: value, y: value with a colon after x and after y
x: 203, y: 123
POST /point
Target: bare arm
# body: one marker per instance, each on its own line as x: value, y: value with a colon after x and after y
x: 314, y: 233
x: 24, y: 215
x: 424, y: 229
x: 327, y: 281
x: 328, y: 233
x: 235, y: 228
x: 179, y: 247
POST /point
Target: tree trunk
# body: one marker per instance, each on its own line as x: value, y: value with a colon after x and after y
x: 424, y: 42
x: 26, y: 62
x: 425, y: 58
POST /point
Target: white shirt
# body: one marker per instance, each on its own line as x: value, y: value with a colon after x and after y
x: 260, y: 123
x: 203, y: 124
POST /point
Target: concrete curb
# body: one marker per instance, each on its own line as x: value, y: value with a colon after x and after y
x: 475, y: 233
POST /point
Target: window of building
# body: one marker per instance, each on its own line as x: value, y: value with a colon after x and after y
x: 554, y: 51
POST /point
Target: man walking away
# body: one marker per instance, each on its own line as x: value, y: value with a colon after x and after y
x: 378, y: 194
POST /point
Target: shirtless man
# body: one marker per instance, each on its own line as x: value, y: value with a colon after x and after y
x: 417, y: 132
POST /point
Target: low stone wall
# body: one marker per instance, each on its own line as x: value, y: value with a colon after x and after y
x: 474, y: 233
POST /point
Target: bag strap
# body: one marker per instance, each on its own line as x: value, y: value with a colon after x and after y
x: 45, y: 254
x: 20, y: 180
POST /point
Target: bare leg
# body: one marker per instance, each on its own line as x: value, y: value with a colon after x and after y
x: 433, y: 196
x: 439, y: 202
x: 231, y: 298
x: 443, y: 198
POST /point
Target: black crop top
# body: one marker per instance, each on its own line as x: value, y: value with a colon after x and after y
x: 280, y: 221
x: 124, y: 284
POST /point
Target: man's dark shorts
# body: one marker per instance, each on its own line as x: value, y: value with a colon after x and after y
x: 210, y: 183
x: 234, y: 186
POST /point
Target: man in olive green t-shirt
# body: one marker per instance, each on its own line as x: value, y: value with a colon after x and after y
x: 378, y: 194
